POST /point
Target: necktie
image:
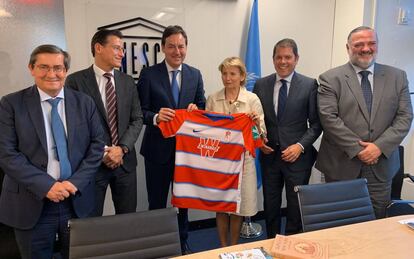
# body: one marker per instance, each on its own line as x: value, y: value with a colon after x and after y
x: 59, y: 136
x: 281, y: 103
x: 111, y: 109
x: 174, y: 86
x: 366, y: 89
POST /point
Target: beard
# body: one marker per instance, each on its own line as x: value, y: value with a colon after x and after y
x: 362, y: 62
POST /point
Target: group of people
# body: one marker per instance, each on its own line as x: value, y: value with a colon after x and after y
x: 65, y: 139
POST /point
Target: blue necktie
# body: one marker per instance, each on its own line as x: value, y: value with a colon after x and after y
x: 366, y: 89
x: 174, y: 86
x: 58, y: 131
x: 281, y: 103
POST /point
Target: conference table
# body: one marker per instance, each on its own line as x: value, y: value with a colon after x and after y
x: 383, y: 238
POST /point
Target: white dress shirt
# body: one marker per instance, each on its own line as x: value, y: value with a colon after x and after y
x: 53, y: 168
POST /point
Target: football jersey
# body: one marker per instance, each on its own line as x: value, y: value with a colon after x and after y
x: 209, y: 158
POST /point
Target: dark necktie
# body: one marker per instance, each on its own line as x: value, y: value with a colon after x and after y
x: 174, y: 86
x: 281, y: 103
x: 58, y: 132
x: 111, y: 109
x: 366, y: 89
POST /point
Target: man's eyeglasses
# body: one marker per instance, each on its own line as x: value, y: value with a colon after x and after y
x: 118, y: 49
x: 55, y: 69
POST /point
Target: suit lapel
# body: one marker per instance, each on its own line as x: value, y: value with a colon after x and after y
x: 91, y: 86
x: 379, y: 86
x: 293, y: 92
x: 32, y: 100
x: 121, y: 94
x: 268, y: 99
x: 165, y: 81
x: 186, y: 84
x: 70, y: 113
x: 355, y: 87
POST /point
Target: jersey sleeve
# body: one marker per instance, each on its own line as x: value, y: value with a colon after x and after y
x: 170, y: 128
x: 251, y: 136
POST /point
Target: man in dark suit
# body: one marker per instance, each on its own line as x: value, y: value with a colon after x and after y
x: 365, y: 110
x: 50, y: 148
x: 164, y: 87
x: 121, y: 117
x: 289, y: 103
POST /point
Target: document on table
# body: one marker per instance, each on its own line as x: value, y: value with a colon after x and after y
x: 405, y: 221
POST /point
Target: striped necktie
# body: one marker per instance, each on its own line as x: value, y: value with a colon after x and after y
x: 111, y: 109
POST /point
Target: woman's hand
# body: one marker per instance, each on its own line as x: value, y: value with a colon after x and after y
x: 255, y: 117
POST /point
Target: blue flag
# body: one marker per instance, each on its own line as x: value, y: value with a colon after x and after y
x: 253, y: 67
x: 253, y: 49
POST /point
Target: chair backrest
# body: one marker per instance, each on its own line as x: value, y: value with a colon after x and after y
x: 148, y: 234
x: 334, y: 204
x: 397, y: 181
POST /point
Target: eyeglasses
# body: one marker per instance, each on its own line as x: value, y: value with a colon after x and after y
x: 118, y: 49
x: 55, y: 69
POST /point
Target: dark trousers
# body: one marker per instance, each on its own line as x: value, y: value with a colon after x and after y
x: 158, y: 179
x: 123, y: 189
x: 276, y: 175
x: 39, y: 242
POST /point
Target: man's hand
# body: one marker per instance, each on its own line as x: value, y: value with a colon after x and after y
x: 370, y: 154
x: 265, y: 148
x: 291, y: 153
x: 113, y: 157
x: 58, y: 192
x: 165, y: 114
x: 192, y: 107
x: 70, y: 187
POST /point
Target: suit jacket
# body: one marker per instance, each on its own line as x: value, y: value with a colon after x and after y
x: 293, y: 127
x: 345, y: 120
x: 23, y: 155
x: 128, y: 109
x: 155, y: 93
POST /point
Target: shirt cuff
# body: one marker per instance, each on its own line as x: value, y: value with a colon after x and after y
x: 303, y: 149
x: 154, y: 120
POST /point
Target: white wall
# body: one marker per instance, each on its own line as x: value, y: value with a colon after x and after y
x: 26, y: 26
x: 396, y: 48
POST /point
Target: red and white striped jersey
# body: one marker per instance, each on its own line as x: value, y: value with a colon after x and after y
x: 209, y: 158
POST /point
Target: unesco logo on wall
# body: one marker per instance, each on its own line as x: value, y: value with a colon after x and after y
x: 142, y: 42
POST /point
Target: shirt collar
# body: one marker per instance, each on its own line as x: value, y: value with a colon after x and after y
x: 169, y: 68
x: 288, y: 78
x: 100, y: 72
x: 44, y: 96
x: 358, y: 69
x: 241, y: 98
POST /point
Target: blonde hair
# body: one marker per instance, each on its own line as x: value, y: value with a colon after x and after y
x: 235, y: 62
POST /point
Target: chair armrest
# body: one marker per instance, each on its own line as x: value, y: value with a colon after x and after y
x: 409, y: 176
x: 396, y: 202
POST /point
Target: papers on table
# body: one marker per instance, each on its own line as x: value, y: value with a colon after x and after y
x: 405, y: 221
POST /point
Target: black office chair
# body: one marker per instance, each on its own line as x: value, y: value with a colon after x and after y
x: 334, y: 204
x: 397, y: 206
x: 8, y: 245
x: 148, y: 234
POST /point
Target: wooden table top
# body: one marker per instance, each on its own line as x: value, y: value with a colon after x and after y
x: 384, y: 238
